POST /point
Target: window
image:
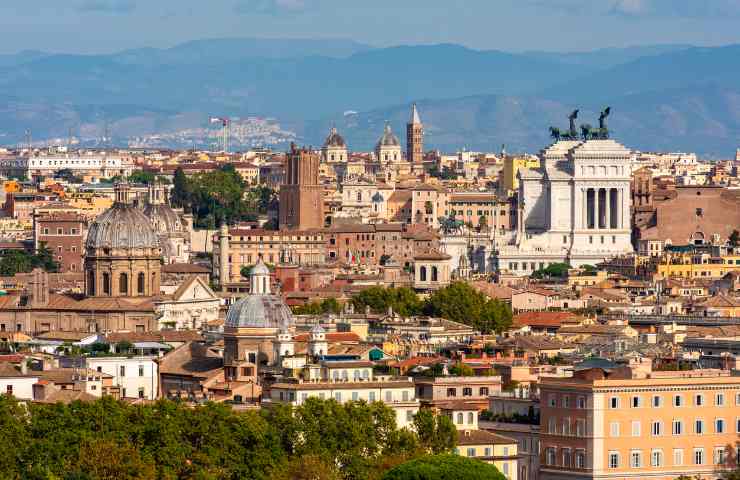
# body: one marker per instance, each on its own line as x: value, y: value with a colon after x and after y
x: 338, y: 396
x: 636, y: 459
x: 656, y: 458
x: 613, y: 460
x: 614, y: 402
x: 471, y: 418
x: 140, y: 280
x: 580, y: 427
x: 580, y: 459
x: 467, y: 392
x: 141, y: 392
x: 566, y: 401
x: 9, y: 389
x: 451, y: 392
x: 699, y: 427
x: 355, y: 396
x: 656, y: 428
x: 405, y: 396
x: 677, y: 401
x: 636, y: 402
x: 677, y: 457
x: 566, y: 457
x: 122, y: 371
x: 550, y: 456
x: 719, y: 399
x: 371, y: 396
x: 141, y: 370
x: 698, y: 456
x: 551, y: 401
x: 699, y: 400
x: 388, y: 396
x: 106, y: 284
x: 614, y: 429
x: 635, y: 428
x: 123, y: 284
x: 483, y: 391
x: 551, y: 426
x: 719, y: 456
x: 471, y: 452
x: 656, y: 401
x: 581, y: 402
x: 677, y: 427
x: 487, y: 452
x: 566, y: 426
x: 719, y: 426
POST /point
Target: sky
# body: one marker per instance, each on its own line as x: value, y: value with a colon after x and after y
x: 102, y: 26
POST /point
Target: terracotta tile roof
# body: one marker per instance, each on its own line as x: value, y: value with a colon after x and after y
x: 482, y: 437
x: 184, y: 268
x: 493, y: 290
x: 68, y: 396
x: 64, y: 336
x: 331, y: 337
x: 543, y: 319
x: 8, y: 370
x: 161, y: 336
x: 191, y: 359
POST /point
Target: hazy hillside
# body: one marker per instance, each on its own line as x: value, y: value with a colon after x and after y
x: 669, y: 96
x: 705, y: 120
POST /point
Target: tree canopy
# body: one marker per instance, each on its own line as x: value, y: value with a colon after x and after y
x: 18, y: 261
x: 462, y: 303
x: 219, y: 196
x: 328, y: 305
x: 556, y: 270
x: 109, y: 439
x: 444, y: 467
x: 403, y: 300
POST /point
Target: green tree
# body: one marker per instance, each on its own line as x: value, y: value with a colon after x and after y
x: 444, y: 467
x: 140, y: 176
x: 461, y: 370
x: 437, y: 433
x: 23, y: 262
x: 555, y: 270
x: 735, y: 238
x: 482, y: 222
x: 404, y: 301
x: 180, y: 190
x: 462, y: 303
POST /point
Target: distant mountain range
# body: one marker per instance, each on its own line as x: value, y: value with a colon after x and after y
x: 663, y: 97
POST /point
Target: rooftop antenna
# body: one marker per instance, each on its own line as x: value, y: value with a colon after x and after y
x: 29, y: 139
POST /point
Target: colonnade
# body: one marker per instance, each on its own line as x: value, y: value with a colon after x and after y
x: 602, y: 208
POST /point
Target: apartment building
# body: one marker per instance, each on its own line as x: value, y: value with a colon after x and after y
x: 617, y: 422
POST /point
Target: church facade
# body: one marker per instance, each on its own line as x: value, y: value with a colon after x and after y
x: 574, y: 208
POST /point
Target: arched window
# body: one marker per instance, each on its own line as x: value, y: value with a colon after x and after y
x: 434, y: 274
x: 423, y: 274
x: 460, y: 419
x: 140, y: 281
x: 123, y: 284
x: 153, y: 286
x: 471, y: 418
x: 91, y: 283
x: 359, y: 196
x: 106, y: 283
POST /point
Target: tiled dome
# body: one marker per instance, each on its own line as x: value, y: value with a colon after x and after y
x: 122, y: 226
x: 259, y: 311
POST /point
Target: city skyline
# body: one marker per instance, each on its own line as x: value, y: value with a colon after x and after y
x: 561, y: 25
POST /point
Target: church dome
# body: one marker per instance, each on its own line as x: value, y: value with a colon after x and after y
x: 334, y: 139
x: 260, y: 269
x: 259, y: 311
x: 163, y: 219
x: 123, y: 226
x: 388, y: 139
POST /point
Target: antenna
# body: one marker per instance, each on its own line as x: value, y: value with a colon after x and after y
x: 29, y: 139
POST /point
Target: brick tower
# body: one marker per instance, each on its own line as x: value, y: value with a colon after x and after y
x: 415, y: 140
x: 301, y: 195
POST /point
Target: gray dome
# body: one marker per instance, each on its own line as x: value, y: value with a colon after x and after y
x: 259, y: 311
x: 388, y: 139
x: 121, y: 226
x: 334, y: 139
x: 260, y: 269
x: 164, y: 220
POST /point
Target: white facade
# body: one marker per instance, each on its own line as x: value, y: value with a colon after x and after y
x: 101, y: 164
x: 20, y: 387
x: 574, y: 208
x: 138, y: 377
x: 191, y: 307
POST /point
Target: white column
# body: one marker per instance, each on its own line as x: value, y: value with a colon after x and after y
x: 597, y: 215
x: 622, y: 208
x: 608, y: 208
x: 584, y: 214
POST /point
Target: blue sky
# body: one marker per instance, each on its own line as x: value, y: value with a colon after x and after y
x: 92, y: 26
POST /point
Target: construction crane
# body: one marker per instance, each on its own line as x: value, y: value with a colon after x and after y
x: 225, y: 123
